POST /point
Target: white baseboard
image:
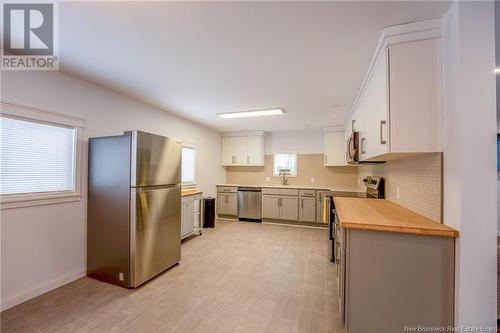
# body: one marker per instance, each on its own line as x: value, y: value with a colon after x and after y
x: 26, y: 295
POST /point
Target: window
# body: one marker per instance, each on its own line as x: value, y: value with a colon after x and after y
x: 36, y: 157
x: 287, y: 161
x: 188, y: 165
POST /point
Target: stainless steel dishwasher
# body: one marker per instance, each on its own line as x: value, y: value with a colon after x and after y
x: 250, y: 204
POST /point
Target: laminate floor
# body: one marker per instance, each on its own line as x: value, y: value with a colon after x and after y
x: 238, y: 277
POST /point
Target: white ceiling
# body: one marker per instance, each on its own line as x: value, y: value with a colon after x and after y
x: 197, y: 59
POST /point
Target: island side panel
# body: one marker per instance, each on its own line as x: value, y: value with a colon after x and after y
x: 395, y: 280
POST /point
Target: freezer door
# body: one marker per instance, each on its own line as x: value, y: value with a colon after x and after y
x: 155, y: 238
x: 155, y: 160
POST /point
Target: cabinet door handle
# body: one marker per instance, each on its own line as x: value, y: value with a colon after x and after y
x: 363, y: 146
x: 279, y: 202
x: 302, y: 203
x: 382, y: 141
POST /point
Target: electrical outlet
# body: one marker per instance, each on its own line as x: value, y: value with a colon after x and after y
x: 121, y: 277
x: 268, y: 179
x: 398, y: 196
x: 312, y: 179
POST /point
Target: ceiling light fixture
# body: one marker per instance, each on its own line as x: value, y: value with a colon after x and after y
x: 255, y: 113
x: 497, y: 70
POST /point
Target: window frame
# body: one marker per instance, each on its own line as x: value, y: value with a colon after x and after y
x: 32, y: 114
x: 296, y: 162
x: 189, y: 146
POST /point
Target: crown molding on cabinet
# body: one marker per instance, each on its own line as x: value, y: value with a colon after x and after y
x: 391, y: 35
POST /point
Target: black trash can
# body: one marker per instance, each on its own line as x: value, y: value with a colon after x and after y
x: 208, y: 212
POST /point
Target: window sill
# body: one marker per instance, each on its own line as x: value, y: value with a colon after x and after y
x: 14, y: 201
x: 187, y: 186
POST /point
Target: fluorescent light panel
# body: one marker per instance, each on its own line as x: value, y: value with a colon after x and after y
x: 255, y: 113
x: 497, y: 70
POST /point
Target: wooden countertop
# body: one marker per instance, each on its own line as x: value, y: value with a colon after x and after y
x: 384, y: 215
x: 190, y: 191
x: 298, y: 187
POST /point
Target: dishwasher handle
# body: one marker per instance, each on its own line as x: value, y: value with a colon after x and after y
x: 249, y: 189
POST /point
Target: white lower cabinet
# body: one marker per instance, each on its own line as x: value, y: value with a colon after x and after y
x: 227, y: 204
x: 308, y: 209
x: 280, y: 207
x: 270, y: 207
x: 289, y: 208
x: 187, y: 216
x: 190, y: 214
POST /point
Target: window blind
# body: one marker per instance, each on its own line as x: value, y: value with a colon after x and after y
x: 285, y: 161
x: 188, y: 165
x: 35, y: 157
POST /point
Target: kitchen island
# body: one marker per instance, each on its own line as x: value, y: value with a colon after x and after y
x: 395, y: 268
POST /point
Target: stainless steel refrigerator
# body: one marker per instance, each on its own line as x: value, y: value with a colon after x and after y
x: 134, y: 207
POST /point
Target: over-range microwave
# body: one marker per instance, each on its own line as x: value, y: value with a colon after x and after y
x: 354, y: 148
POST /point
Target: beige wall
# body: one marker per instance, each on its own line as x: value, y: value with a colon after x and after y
x: 308, y: 165
x: 419, y: 181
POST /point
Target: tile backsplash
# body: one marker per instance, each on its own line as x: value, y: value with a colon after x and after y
x: 419, y: 180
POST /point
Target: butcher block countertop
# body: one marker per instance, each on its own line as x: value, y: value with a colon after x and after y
x: 185, y: 192
x: 384, y: 215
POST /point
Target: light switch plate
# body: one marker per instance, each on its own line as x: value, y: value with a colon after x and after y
x: 268, y: 179
x: 397, y: 193
x: 312, y: 179
x: 120, y: 276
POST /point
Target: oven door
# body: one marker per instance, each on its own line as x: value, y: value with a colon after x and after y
x: 330, y: 220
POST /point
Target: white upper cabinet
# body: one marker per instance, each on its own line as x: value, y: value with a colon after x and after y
x: 334, y: 154
x: 415, y: 99
x: 374, y: 113
x: 398, y: 110
x: 232, y: 154
x: 243, y: 149
x: 255, y: 150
